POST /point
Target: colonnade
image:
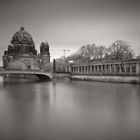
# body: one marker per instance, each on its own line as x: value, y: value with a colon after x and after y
x: 114, y: 68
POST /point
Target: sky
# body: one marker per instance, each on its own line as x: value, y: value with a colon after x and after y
x: 70, y: 24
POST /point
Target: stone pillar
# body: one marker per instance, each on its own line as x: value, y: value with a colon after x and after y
x: 73, y: 69
x: 130, y: 68
x: 120, y: 71
x: 114, y: 66
x: 93, y: 69
x: 87, y: 69
x: 117, y: 69
x: 110, y: 69
x: 102, y: 69
x: 125, y: 68
x: 66, y: 69
x: 82, y: 69
x: 26, y: 49
x: 78, y: 69
x: 138, y: 68
x: 106, y: 69
x: 70, y: 69
x: 90, y: 69
x: 98, y: 69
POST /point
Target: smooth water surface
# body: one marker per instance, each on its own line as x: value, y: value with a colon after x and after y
x: 69, y: 110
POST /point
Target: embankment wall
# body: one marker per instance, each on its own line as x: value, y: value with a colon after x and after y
x: 121, y: 79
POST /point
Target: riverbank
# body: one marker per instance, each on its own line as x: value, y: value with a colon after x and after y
x: 118, y: 79
x: 121, y: 79
x: 61, y: 75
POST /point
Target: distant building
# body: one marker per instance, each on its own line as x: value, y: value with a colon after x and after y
x: 22, y: 55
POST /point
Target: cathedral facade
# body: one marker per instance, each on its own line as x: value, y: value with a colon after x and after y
x: 22, y: 55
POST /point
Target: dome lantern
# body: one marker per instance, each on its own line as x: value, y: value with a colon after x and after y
x: 22, y: 28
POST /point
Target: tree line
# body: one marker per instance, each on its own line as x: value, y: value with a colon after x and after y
x: 118, y: 50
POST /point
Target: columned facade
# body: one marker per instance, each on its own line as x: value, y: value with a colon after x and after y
x: 131, y: 67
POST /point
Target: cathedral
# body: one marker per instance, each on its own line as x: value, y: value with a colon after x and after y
x: 22, y: 55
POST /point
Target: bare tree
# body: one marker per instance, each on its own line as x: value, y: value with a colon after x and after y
x: 76, y: 57
x: 120, y: 50
x: 90, y: 52
x: 100, y: 52
x: 87, y: 51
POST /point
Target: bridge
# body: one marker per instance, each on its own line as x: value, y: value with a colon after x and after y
x: 39, y: 74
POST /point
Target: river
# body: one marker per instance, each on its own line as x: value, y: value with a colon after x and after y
x: 69, y: 110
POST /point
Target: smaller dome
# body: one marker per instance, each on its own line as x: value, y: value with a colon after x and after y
x: 44, y: 44
x: 44, y: 48
x: 22, y: 37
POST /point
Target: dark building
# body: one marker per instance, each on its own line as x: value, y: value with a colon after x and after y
x: 22, y: 55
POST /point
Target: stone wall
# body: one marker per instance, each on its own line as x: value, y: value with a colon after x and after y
x: 123, y: 79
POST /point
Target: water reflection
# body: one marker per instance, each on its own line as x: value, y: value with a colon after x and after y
x: 63, y: 109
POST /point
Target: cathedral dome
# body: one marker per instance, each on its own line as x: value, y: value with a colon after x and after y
x: 22, y: 37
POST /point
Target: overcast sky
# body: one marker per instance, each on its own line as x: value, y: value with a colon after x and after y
x: 69, y: 24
